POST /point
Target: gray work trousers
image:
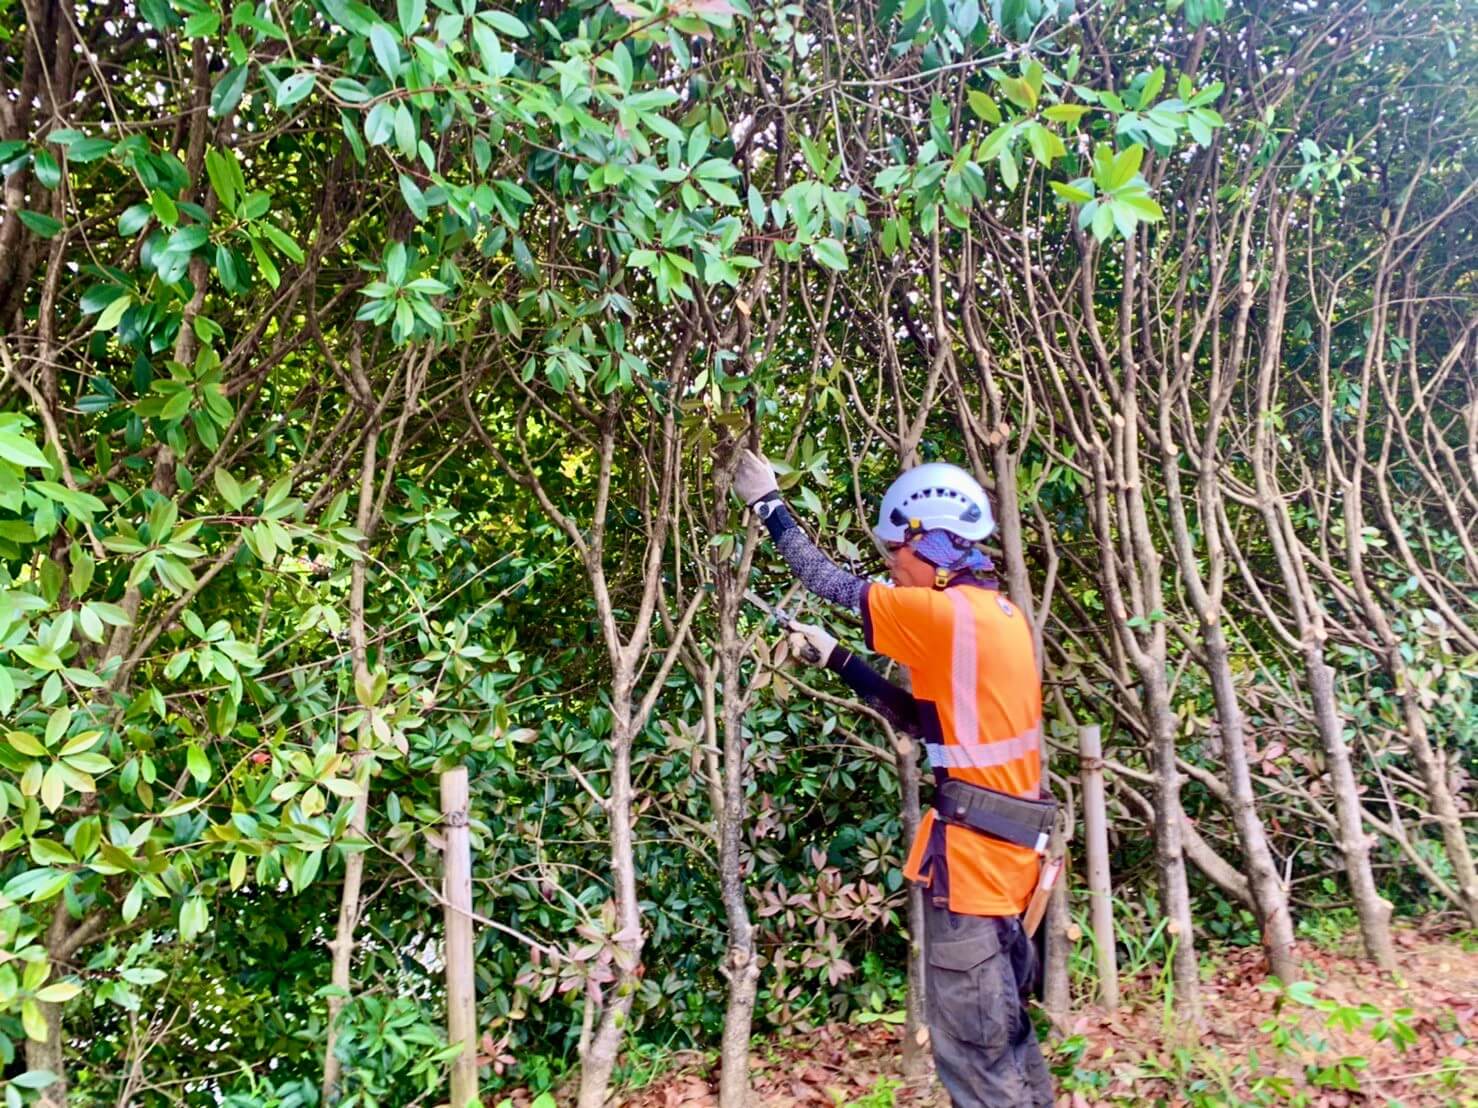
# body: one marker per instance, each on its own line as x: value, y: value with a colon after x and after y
x: 985, y: 1048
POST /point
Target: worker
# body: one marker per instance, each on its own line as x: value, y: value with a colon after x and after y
x: 976, y: 703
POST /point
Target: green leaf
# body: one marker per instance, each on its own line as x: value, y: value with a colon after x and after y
x: 197, y: 763
x: 387, y: 50
x: 294, y: 89
x: 229, y: 488
x: 165, y: 209
x: 194, y: 918
x: 53, y: 787
x: 1152, y: 87
x: 83, y: 740
x: 716, y: 168
x: 34, y: 1079
x: 1019, y: 92
x: 33, y: 1021
x: 405, y: 130
x: 1066, y: 113
x: 415, y: 199
x: 411, y: 14
x: 228, y: 91
x: 1125, y: 165
x: 721, y: 193
x: 133, y: 902
x: 830, y: 253
x: 350, y: 90
x: 44, y: 225
x: 110, y: 614
x: 984, y: 106
x: 89, y: 763
x: 89, y: 150
x: 503, y: 21
x: 187, y: 239
x: 143, y: 976
x: 1070, y: 192
x: 134, y: 219
x: 222, y: 180
x: 17, y: 448
x: 44, y: 852
x: 203, y: 25
x: 109, y: 317
x: 1010, y: 174
x: 44, y: 166
x: 1046, y: 145
x: 1142, y: 206
x: 26, y: 743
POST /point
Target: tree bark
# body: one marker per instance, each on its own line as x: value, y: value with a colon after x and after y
x: 605, y: 1044
x: 1263, y: 878
x: 741, y: 963
x: 1373, y: 909
x: 915, y: 1053
x: 50, y: 1053
x: 1056, y: 985
x: 342, y: 944
x: 1170, y: 854
x: 1434, y: 775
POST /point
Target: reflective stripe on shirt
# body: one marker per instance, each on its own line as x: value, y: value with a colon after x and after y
x: 967, y: 751
x: 978, y: 755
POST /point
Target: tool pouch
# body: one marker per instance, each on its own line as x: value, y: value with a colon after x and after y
x: 1012, y: 819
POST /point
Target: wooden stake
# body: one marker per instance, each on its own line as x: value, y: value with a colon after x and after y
x: 1100, y: 887
x: 460, y: 971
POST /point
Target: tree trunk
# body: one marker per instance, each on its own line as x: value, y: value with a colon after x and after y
x: 1198, y: 852
x: 1439, y: 793
x: 915, y: 1053
x: 1056, y: 985
x: 1170, y: 854
x: 1267, y: 886
x: 741, y: 965
x: 50, y: 1054
x: 342, y: 944
x: 605, y: 1045
x: 1373, y: 909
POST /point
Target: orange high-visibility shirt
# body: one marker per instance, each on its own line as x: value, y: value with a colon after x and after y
x: 969, y: 653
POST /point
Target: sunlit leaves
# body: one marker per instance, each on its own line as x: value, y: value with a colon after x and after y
x: 1116, y: 197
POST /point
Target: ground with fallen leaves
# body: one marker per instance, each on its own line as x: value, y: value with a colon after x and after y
x: 1135, y: 1056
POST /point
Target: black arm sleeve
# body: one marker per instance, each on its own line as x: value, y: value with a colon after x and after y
x: 816, y: 571
x: 899, y: 707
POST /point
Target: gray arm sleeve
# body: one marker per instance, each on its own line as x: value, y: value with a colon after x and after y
x: 815, y: 570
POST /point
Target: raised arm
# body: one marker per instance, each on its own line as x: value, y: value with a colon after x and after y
x: 754, y: 481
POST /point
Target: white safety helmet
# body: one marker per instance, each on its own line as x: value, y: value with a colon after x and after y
x: 935, y: 496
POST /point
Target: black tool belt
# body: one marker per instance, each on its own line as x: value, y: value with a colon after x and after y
x: 1012, y: 819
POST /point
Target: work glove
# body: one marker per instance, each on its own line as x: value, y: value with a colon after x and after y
x: 810, y: 643
x: 754, y: 479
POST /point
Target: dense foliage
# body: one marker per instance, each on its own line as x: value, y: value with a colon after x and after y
x: 372, y: 375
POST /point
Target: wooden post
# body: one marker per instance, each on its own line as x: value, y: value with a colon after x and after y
x: 1100, y: 887
x: 460, y: 982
